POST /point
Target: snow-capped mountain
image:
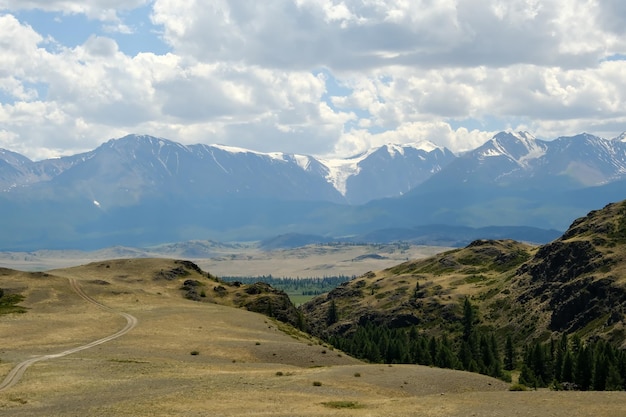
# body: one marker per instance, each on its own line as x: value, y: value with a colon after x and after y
x: 133, y: 167
x: 516, y: 179
x: 122, y: 171
x: 147, y: 190
x: 520, y: 160
x: 387, y: 171
x: 621, y: 138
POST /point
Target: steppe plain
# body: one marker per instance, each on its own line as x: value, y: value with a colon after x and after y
x: 186, y: 358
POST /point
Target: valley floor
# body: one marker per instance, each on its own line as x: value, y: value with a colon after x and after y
x: 245, y: 365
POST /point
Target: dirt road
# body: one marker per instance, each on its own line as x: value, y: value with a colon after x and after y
x: 18, y: 371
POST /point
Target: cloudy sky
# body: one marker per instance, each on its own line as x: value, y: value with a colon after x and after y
x: 320, y: 77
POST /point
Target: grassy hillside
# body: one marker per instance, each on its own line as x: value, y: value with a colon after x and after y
x: 200, y: 358
x: 186, y: 357
x: 555, y: 312
x: 428, y: 293
x: 576, y: 283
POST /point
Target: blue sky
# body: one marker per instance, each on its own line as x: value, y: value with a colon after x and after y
x: 72, y: 30
x: 320, y: 77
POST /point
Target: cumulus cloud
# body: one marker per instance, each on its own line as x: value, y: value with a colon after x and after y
x: 358, y: 34
x: 315, y: 76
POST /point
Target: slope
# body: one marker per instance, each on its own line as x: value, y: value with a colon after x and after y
x: 574, y: 284
x: 185, y: 357
x: 245, y: 363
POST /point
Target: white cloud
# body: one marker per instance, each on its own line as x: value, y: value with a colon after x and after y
x: 441, y: 133
x: 245, y: 73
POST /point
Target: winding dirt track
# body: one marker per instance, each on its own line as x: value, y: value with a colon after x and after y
x: 16, y: 373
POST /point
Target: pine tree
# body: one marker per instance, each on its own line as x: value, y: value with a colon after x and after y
x: 584, y: 368
x: 509, y: 354
x: 567, y: 370
x: 538, y: 364
x: 600, y: 371
x: 614, y: 381
x: 465, y: 355
x: 332, y: 316
x: 527, y: 377
x: 468, y: 319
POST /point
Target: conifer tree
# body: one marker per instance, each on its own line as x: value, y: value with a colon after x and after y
x: 567, y: 370
x: 584, y: 368
x: 468, y: 319
x: 332, y: 316
x: 509, y: 354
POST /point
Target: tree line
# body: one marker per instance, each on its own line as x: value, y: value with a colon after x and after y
x: 477, y: 351
x: 304, y: 286
x: 567, y: 363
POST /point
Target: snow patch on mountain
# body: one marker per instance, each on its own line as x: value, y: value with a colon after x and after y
x: 303, y: 161
x: 501, y: 145
x: 339, y: 170
x: 621, y: 138
x: 395, y: 149
x: 234, y: 149
x: 535, y: 150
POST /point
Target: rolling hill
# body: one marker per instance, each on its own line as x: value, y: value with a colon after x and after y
x: 575, y: 284
x: 195, y: 358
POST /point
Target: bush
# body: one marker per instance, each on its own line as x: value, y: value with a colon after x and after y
x: 518, y: 387
x: 317, y: 384
x: 343, y: 404
x: 195, y: 353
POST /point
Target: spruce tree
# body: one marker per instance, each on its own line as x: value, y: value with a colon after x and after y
x: 332, y: 315
x: 584, y: 368
x: 567, y: 370
x: 509, y: 354
x: 468, y: 319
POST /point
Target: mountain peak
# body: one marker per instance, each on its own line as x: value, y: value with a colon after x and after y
x: 134, y: 141
x: 520, y: 147
x: 621, y: 138
x: 425, y: 145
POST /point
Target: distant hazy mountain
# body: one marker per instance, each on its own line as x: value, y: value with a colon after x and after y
x: 516, y: 179
x: 122, y: 171
x: 141, y: 190
x: 522, y: 161
x: 387, y: 171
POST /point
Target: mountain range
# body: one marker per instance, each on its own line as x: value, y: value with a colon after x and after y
x: 140, y: 190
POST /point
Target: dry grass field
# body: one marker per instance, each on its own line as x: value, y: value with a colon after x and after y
x: 243, y: 363
x: 240, y: 260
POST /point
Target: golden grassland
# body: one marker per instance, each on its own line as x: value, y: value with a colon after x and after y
x: 186, y: 358
x: 243, y: 259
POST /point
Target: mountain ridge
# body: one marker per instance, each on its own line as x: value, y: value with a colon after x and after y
x: 574, y: 284
x: 520, y: 151
x: 141, y: 190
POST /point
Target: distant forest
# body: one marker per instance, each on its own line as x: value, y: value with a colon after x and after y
x: 310, y: 286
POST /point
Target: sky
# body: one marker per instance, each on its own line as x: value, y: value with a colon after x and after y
x: 328, y: 78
